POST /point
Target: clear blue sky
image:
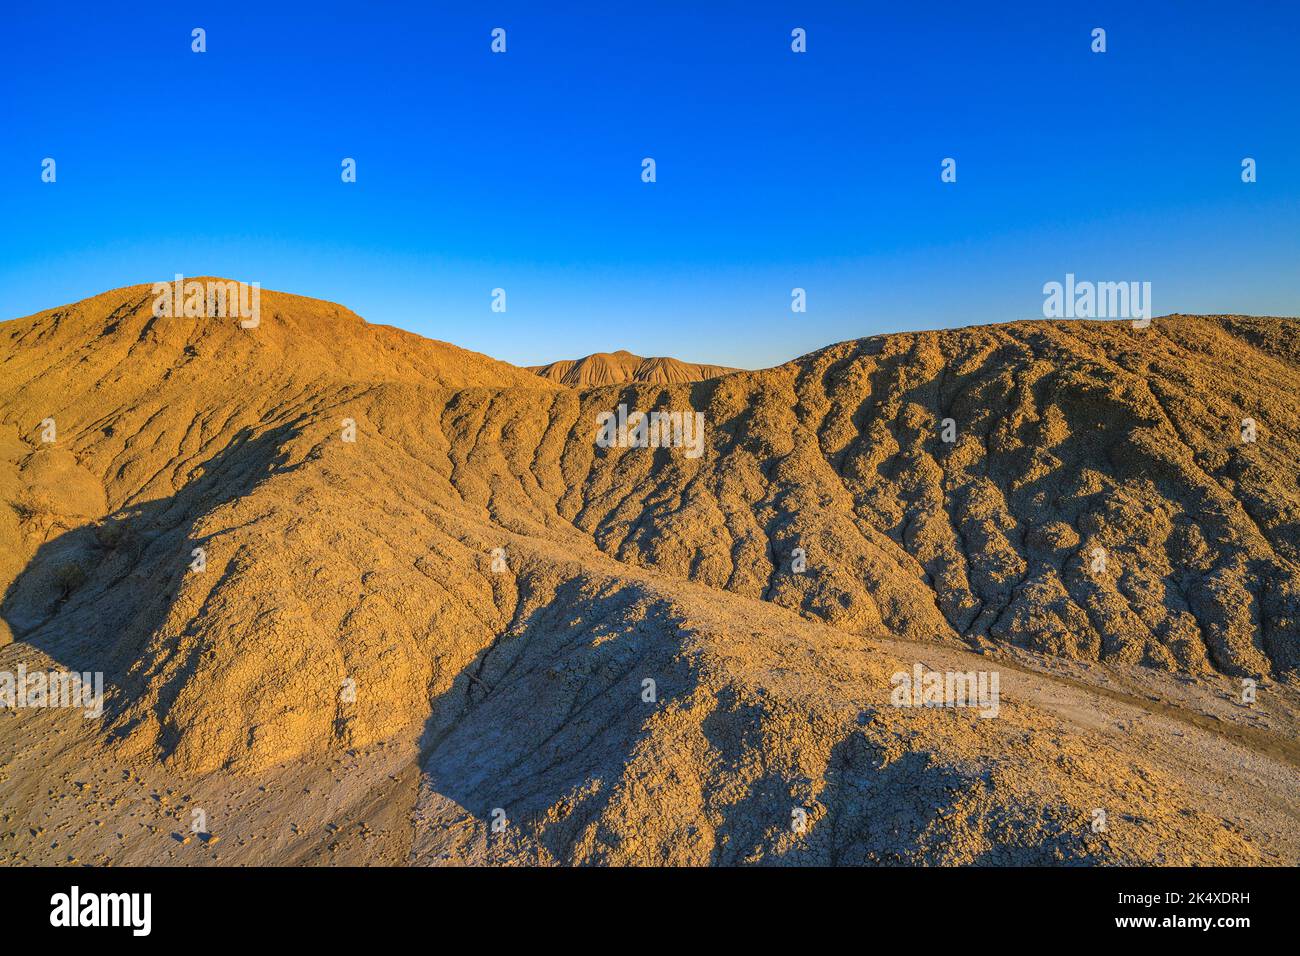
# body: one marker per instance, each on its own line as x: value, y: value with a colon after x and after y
x: 775, y: 170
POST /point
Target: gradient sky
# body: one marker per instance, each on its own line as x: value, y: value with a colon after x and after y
x: 775, y: 170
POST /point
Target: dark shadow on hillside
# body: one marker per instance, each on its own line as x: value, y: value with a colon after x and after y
x: 92, y: 597
x: 551, y: 712
x: 549, y: 726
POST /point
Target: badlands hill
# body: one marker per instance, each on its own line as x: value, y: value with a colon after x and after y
x: 615, y: 368
x: 473, y: 613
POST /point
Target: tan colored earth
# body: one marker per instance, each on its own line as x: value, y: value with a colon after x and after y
x: 434, y: 644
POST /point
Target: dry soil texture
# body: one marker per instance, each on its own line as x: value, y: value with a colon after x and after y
x: 471, y: 635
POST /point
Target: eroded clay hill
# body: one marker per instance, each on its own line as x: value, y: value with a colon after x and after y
x: 485, y: 580
x: 615, y: 368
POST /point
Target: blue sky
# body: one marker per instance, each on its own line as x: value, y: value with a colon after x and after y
x: 775, y: 169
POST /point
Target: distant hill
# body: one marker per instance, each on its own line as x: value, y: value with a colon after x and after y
x: 614, y: 368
